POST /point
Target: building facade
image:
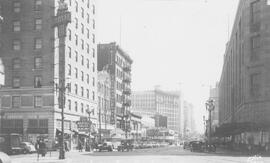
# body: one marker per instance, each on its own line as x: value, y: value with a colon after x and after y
x: 105, y: 122
x: 158, y: 102
x: 31, y: 56
x: 244, y: 91
x: 118, y: 63
x: 189, y: 121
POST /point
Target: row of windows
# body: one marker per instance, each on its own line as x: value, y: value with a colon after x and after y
x: 69, y: 34
x: 93, y: 8
x: 17, y: 62
x: 76, y: 87
x: 16, y: 5
x: 82, y: 74
x: 17, y: 44
x: 16, y: 25
x: 104, y: 89
x: 76, y: 106
x: 16, y: 101
x: 16, y: 83
x: 82, y: 57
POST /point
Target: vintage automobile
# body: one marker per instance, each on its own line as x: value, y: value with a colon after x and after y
x: 10, y: 143
x: 28, y: 147
x: 196, y: 146
x: 106, y: 146
x: 186, y: 145
x: 125, y: 146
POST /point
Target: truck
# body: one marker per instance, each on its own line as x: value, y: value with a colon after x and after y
x: 11, y: 143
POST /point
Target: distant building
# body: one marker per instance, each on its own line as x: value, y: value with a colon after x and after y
x: 159, y: 102
x: 118, y: 63
x: 189, y: 121
x: 161, y: 121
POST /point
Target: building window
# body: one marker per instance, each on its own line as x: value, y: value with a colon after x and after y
x: 76, y: 39
x: 69, y: 104
x: 255, y: 40
x: 38, y: 101
x: 255, y: 80
x: 93, y: 81
x: 87, y: 63
x: 38, y: 24
x: 37, y: 81
x: 93, y: 52
x: 93, y: 38
x: 88, y: 18
x: 93, y: 24
x: 16, y: 63
x: 93, y: 9
x: 16, y: 101
x: 87, y: 93
x: 88, y: 3
x: 69, y: 34
x: 87, y: 48
x: 69, y: 87
x: 16, y: 82
x: 82, y: 42
x: 16, y: 7
x: 76, y: 106
x: 16, y: 26
x: 76, y: 89
x: 38, y: 43
x: 255, y: 11
x: 82, y: 26
x: 69, y: 52
x: 76, y: 72
x: 76, y: 6
x: 76, y: 56
x: 82, y: 10
x: 38, y: 62
x: 87, y: 78
x: 88, y: 33
x: 93, y: 67
x: 82, y: 109
x: 38, y: 4
x: 93, y: 95
x: 76, y: 23
x: 69, y: 69
x: 82, y: 91
x: 82, y: 75
x: 82, y: 61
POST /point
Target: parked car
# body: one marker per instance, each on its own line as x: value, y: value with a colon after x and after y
x: 107, y: 146
x: 186, y: 145
x: 196, y: 146
x: 10, y: 143
x: 28, y: 147
x: 4, y: 158
x: 125, y: 146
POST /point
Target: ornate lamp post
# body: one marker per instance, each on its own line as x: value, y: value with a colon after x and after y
x: 61, y: 20
x: 209, y: 107
x: 90, y: 124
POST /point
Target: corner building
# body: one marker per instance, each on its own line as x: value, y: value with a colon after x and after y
x: 30, y: 52
x: 244, y: 90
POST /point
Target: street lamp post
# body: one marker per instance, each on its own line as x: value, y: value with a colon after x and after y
x: 90, y: 124
x: 61, y: 20
x: 209, y: 107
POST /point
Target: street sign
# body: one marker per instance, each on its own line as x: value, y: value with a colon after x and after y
x: 83, y: 125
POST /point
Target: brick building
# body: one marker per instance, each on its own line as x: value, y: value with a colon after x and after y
x: 30, y: 52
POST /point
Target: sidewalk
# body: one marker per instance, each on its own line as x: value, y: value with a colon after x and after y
x: 49, y: 158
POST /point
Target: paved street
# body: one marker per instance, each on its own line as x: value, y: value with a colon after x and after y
x: 168, y: 154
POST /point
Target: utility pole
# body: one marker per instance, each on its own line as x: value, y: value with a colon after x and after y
x: 210, y: 107
x: 90, y: 124
x: 61, y: 20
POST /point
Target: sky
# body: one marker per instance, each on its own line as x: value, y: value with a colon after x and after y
x: 177, y: 44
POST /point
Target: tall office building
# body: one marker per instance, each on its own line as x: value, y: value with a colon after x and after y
x: 118, y: 63
x: 30, y: 52
x: 244, y: 90
x: 189, y: 121
x: 161, y: 102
